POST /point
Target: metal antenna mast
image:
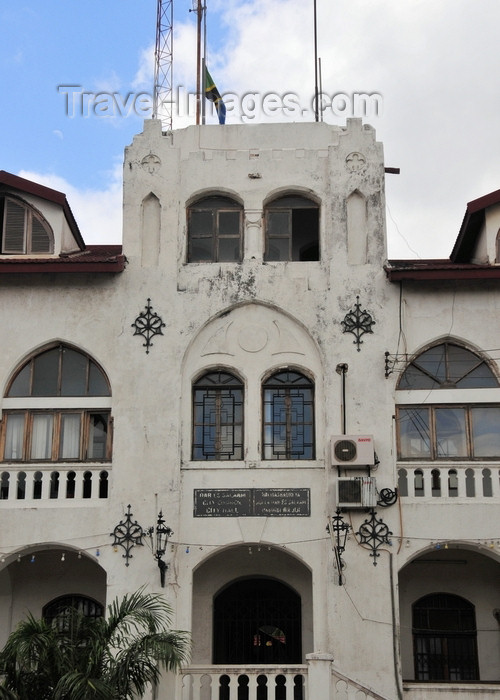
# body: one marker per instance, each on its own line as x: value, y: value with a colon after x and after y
x: 162, y: 98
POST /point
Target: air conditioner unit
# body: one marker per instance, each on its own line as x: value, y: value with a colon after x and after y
x: 352, y: 451
x: 356, y: 492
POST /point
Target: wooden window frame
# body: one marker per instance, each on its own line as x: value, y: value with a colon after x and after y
x: 85, y: 424
x: 433, y: 437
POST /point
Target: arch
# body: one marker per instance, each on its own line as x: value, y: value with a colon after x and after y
x: 459, y: 570
x: 448, y: 363
x: 497, y: 247
x: 33, y: 576
x: 267, y: 564
x: 78, y: 372
x: 257, y: 620
x: 206, y: 193
x: 252, y: 341
x: 296, y: 190
x: 291, y: 224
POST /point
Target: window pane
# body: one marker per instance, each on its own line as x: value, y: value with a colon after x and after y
x: 460, y: 362
x: 74, y: 373
x: 414, y: 433
x: 41, y: 436
x: 450, y: 432
x: 414, y: 378
x: 98, y: 433
x: 486, y: 431
x: 98, y: 386
x: 46, y: 373
x: 70, y: 436
x: 278, y: 249
x: 480, y: 377
x: 229, y: 223
x: 433, y: 362
x: 14, y: 436
x: 21, y: 384
x: 229, y: 250
x: 278, y: 223
x: 201, y: 223
x: 201, y: 250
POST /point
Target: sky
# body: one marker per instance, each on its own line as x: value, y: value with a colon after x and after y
x: 430, y: 67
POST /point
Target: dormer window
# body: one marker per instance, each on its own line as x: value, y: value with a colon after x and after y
x: 24, y: 230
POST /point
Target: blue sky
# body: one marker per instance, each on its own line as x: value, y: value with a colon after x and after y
x: 434, y: 64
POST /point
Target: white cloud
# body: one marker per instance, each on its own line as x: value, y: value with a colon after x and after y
x: 435, y: 64
x: 98, y: 213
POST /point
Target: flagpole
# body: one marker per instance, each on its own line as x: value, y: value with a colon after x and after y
x: 198, y: 61
x: 204, y: 63
x: 316, y: 95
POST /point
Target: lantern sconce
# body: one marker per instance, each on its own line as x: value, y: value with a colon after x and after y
x: 162, y: 533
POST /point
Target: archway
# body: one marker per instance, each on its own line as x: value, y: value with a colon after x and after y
x: 257, y: 621
x: 252, y: 594
x: 449, y: 631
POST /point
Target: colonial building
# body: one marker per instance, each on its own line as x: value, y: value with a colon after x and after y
x: 252, y: 411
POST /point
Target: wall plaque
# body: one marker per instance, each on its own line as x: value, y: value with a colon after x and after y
x: 235, y: 503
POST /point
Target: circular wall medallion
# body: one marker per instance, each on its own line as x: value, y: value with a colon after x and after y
x: 252, y: 338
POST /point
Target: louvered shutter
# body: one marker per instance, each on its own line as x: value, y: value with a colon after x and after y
x: 14, y: 239
x: 40, y: 239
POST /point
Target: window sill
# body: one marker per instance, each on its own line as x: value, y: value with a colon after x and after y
x: 254, y: 464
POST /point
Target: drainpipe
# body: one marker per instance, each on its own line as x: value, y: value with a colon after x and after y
x: 342, y: 370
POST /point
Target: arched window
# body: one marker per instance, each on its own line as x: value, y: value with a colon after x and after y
x: 215, y: 230
x: 218, y: 417
x: 24, y: 230
x: 447, y: 366
x: 292, y: 229
x: 60, y: 609
x: 288, y: 410
x: 451, y: 430
x: 444, y: 639
x: 59, y: 432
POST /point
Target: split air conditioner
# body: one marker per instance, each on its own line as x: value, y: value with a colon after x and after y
x: 352, y: 451
x: 356, y: 492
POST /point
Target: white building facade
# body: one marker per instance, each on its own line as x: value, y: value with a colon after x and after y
x: 319, y: 427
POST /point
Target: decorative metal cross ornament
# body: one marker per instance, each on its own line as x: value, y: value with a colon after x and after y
x: 358, y: 322
x: 148, y: 324
x: 127, y: 534
x: 374, y: 533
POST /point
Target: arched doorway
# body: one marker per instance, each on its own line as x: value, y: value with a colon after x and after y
x: 257, y: 621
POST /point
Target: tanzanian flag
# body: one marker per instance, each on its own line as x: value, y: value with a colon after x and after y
x: 212, y: 94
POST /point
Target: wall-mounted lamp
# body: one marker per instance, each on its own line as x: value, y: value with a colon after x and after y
x: 338, y: 529
x: 162, y: 532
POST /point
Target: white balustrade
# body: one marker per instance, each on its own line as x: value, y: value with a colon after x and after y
x: 481, y: 482
x: 21, y: 484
